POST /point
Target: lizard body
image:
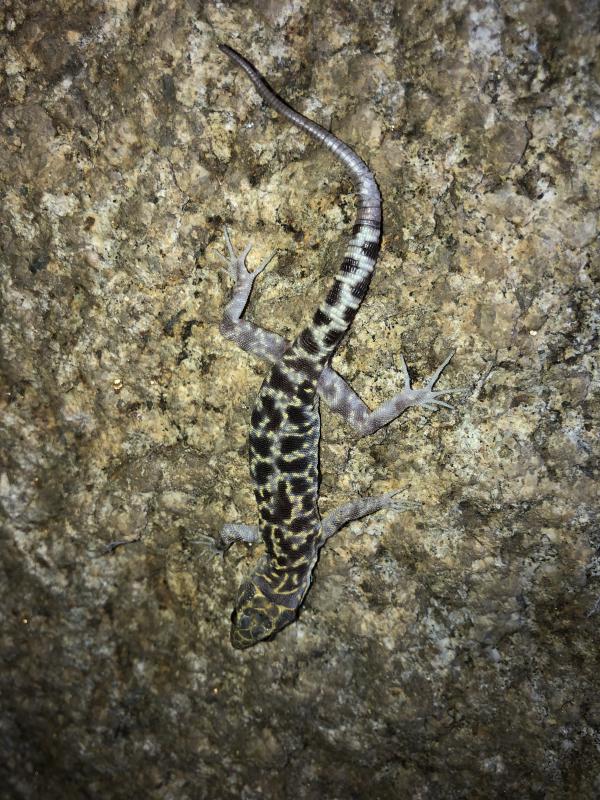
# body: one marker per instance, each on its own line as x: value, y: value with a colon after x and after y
x: 285, y: 422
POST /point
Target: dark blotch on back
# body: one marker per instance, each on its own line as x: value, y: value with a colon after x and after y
x: 270, y: 547
x: 360, y: 226
x: 256, y: 418
x: 282, y: 507
x: 308, y: 502
x: 296, y: 465
x: 304, y: 366
x: 262, y: 470
x: 268, y: 403
x: 298, y: 415
x: 260, y: 445
x: 306, y: 392
x: 272, y: 413
x: 301, y: 524
x: 263, y: 496
x: 291, y: 444
x: 280, y: 381
x: 299, y: 485
x: 349, y: 313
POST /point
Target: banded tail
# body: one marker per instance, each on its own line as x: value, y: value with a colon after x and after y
x: 316, y: 343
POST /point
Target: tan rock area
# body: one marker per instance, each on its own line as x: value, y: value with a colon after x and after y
x: 444, y: 653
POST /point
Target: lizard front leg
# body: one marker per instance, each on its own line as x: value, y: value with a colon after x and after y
x: 342, y: 399
x: 249, y: 337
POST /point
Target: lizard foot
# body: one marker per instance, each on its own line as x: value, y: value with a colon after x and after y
x: 209, y: 544
x: 394, y: 502
x: 236, y: 264
x: 428, y: 397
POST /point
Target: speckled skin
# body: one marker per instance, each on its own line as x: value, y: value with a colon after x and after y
x: 285, y: 422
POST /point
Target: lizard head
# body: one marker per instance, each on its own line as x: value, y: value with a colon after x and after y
x: 256, y: 617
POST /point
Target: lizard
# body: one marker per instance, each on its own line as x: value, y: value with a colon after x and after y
x: 285, y: 422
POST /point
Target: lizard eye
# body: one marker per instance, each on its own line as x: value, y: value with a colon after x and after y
x: 243, y: 623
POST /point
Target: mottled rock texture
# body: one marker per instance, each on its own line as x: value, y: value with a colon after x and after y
x: 450, y: 652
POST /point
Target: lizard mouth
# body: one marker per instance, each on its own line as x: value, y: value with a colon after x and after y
x: 250, y: 625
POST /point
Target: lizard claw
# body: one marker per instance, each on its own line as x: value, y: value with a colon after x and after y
x: 428, y: 397
x: 236, y: 262
x: 209, y: 543
x: 397, y: 504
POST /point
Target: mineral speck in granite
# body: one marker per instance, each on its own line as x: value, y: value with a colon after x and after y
x: 442, y: 654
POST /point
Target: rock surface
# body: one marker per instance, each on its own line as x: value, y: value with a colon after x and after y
x: 446, y: 653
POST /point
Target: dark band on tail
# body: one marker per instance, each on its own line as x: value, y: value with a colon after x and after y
x: 317, y: 342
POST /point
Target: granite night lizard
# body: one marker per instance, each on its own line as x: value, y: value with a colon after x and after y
x: 285, y: 423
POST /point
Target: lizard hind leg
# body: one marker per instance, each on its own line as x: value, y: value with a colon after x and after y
x: 230, y: 533
x: 361, y: 507
x: 238, y: 532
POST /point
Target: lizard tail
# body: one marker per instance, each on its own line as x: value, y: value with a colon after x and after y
x: 316, y: 343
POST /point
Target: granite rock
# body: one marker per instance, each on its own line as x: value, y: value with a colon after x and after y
x: 443, y: 653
